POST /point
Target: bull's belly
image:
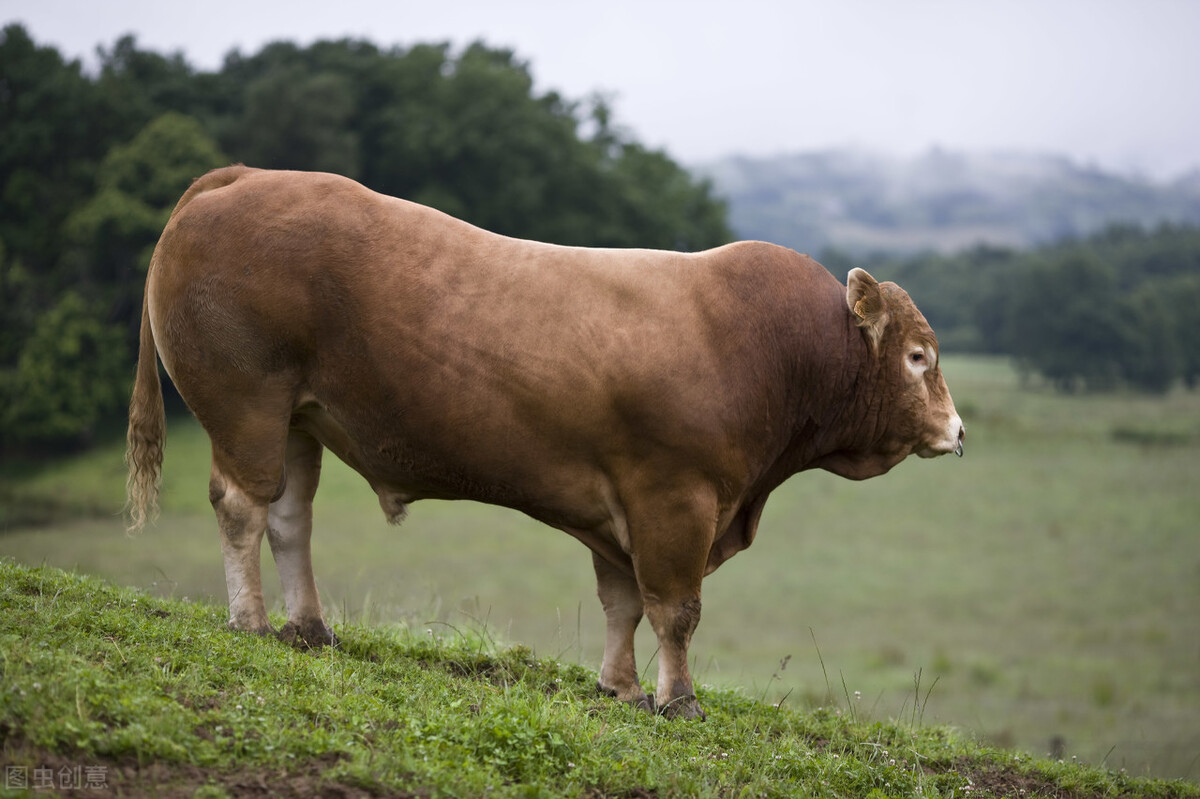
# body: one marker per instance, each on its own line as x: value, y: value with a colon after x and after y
x: 570, y: 495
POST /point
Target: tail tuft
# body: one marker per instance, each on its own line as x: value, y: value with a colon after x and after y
x: 147, y: 432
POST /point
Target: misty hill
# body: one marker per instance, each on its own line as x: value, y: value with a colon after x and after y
x: 858, y: 201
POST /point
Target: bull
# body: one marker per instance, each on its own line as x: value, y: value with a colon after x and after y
x: 645, y: 402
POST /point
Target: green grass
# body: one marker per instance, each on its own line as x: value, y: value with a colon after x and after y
x: 159, y: 698
x: 1046, y: 587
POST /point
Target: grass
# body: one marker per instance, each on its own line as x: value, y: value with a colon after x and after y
x: 1046, y: 586
x: 153, y: 696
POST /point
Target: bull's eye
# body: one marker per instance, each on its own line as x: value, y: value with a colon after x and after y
x: 917, y: 357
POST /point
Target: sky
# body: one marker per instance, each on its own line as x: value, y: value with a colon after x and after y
x: 1112, y: 83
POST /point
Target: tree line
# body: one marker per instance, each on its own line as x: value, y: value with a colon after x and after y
x: 91, y: 165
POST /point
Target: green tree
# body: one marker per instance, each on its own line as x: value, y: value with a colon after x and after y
x: 138, y: 184
x: 1179, y: 300
x: 135, y: 86
x: 48, y: 150
x: 17, y: 297
x: 662, y: 205
x: 111, y: 237
x: 1150, y: 357
x: 73, y: 366
x: 1064, y: 321
x: 294, y: 119
x: 72, y: 372
x: 468, y: 134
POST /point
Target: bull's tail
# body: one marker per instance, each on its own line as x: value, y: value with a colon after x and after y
x: 147, y: 422
x: 147, y: 430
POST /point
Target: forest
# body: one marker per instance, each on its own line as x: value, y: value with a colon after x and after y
x: 92, y: 161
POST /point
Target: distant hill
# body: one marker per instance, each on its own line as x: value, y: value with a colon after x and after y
x: 858, y: 201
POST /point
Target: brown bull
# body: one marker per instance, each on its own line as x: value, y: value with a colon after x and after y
x: 644, y: 402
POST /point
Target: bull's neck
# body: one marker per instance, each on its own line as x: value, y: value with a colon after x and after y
x: 840, y: 421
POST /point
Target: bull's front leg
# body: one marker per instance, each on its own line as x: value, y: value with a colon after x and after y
x: 671, y: 546
x: 674, y: 618
x: 622, y: 601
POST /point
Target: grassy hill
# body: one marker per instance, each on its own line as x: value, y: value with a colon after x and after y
x: 133, y: 695
x: 1044, y: 586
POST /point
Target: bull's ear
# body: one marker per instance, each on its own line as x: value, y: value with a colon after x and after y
x: 866, y: 303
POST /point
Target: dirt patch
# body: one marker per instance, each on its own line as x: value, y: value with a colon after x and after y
x: 88, y: 775
x: 997, y: 781
x: 53, y: 774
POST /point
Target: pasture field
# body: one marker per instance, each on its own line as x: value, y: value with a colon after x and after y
x: 149, y: 696
x: 1042, y: 593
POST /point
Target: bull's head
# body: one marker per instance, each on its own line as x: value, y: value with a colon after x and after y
x: 920, y: 415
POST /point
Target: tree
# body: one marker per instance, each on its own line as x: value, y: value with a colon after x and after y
x: 111, y: 237
x: 660, y: 205
x: 73, y: 367
x: 1150, y: 358
x: 295, y: 119
x: 18, y: 290
x: 72, y: 372
x: 465, y: 133
x: 135, y: 86
x: 1179, y: 302
x: 1064, y: 322
x: 48, y: 151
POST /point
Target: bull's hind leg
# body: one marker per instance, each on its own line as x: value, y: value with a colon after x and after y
x: 289, y: 531
x: 622, y: 601
x: 247, y: 474
x: 242, y: 518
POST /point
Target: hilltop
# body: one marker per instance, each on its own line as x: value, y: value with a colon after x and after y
x: 942, y: 200
x: 113, y: 691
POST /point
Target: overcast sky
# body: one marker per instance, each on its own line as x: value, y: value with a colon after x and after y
x: 1111, y: 82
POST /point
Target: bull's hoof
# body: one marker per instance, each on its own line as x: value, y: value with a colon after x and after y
x: 257, y: 629
x: 309, y: 635
x: 683, y: 707
x: 639, y: 700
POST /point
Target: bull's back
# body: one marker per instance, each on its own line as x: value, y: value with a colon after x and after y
x: 275, y: 259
